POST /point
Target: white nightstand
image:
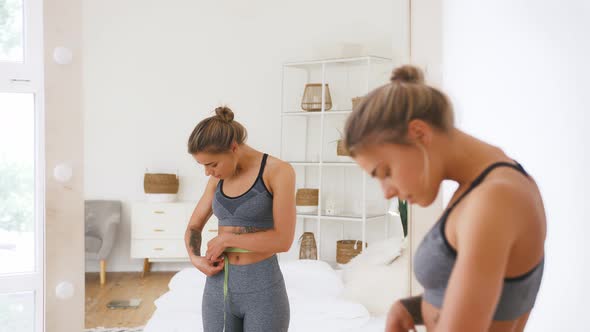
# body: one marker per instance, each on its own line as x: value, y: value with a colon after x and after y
x: 157, y: 231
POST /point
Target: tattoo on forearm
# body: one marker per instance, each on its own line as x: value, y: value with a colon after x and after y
x: 195, y: 242
x: 414, y: 307
x: 249, y: 229
x: 436, y: 317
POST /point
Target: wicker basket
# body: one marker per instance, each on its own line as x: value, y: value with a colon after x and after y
x: 307, y: 197
x: 345, y: 250
x: 308, y: 248
x: 341, y: 149
x: 160, y: 183
x: 312, y: 98
x: 356, y: 101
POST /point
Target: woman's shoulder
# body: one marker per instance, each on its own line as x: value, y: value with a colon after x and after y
x: 506, y: 208
x: 275, y: 164
x: 506, y: 199
x: 507, y: 189
x: 276, y: 168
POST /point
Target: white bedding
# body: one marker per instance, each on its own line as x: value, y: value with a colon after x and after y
x: 316, y: 296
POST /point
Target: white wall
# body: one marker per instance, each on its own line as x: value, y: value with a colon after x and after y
x: 518, y: 73
x: 426, y: 53
x: 153, y: 69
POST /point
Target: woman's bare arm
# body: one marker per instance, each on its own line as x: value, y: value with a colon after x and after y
x: 484, y: 241
x: 199, y: 218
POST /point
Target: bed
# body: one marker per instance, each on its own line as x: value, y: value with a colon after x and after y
x: 355, y: 298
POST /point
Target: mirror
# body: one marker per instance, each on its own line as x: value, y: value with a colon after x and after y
x: 153, y: 70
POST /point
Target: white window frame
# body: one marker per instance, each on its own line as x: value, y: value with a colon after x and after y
x: 27, y: 77
x: 16, y: 75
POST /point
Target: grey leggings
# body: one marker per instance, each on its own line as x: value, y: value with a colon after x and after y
x: 256, y: 299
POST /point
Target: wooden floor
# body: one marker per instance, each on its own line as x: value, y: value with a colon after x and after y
x: 123, y: 286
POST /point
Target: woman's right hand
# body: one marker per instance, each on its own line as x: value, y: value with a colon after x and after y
x: 399, y: 319
x: 209, y: 268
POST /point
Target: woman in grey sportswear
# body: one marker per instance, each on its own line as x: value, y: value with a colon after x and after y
x: 253, y: 197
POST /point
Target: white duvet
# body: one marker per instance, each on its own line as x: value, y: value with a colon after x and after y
x: 316, y: 296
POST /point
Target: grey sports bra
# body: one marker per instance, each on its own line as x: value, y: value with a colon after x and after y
x: 435, y: 258
x: 251, y: 209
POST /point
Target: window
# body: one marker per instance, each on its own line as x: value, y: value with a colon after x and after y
x: 21, y: 166
x: 11, y: 31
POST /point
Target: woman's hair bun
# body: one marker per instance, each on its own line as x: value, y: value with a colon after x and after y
x: 407, y: 74
x: 224, y: 113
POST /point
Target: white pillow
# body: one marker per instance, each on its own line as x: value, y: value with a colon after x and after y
x: 311, y: 277
x: 382, y: 252
x: 189, y: 279
x: 377, y: 277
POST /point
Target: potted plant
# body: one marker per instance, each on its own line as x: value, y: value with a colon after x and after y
x: 403, y: 213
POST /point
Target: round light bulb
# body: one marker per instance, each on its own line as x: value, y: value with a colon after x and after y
x: 62, y: 55
x: 62, y: 172
x: 64, y: 290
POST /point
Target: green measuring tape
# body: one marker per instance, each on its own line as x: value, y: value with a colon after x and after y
x: 226, y: 277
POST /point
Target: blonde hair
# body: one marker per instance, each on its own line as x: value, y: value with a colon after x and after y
x: 216, y: 134
x: 384, y: 114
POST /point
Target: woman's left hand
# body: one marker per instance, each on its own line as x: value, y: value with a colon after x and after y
x: 399, y: 319
x: 217, y: 246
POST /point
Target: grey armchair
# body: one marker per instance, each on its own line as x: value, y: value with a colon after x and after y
x: 101, y: 219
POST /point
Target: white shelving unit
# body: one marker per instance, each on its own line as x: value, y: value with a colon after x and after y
x: 309, y: 144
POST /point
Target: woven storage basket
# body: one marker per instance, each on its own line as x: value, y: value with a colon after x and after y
x: 308, y: 248
x: 312, y: 98
x: 341, y: 149
x: 356, y: 101
x: 345, y: 250
x: 160, y: 183
x: 307, y: 197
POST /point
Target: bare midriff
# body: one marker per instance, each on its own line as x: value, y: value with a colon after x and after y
x: 244, y: 258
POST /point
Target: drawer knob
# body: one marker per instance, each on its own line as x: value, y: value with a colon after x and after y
x: 158, y: 230
x: 159, y: 212
x: 213, y: 230
x: 158, y: 249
